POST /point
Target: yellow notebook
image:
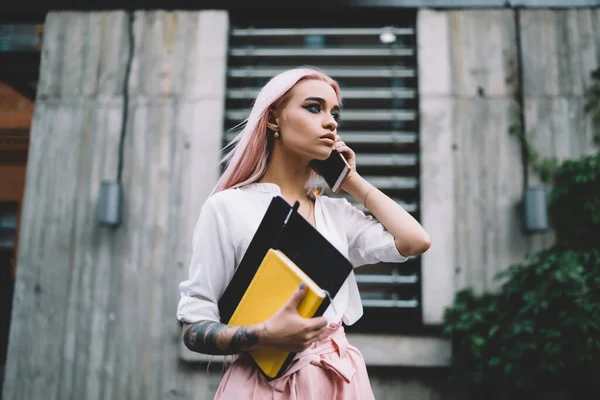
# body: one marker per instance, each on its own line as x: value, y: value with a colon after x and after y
x: 276, y: 279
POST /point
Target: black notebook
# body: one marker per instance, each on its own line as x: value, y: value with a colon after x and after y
x: 283, y: 228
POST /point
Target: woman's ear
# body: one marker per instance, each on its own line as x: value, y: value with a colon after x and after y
x: 273, y: 122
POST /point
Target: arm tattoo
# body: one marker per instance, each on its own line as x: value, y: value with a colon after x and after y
x: 208, y: 337
x: 242, y: 339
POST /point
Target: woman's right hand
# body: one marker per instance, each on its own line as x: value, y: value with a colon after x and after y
x: 288, y: 331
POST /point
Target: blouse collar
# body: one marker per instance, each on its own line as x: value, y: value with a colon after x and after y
x: 265, y: 187
x: 271, y: 188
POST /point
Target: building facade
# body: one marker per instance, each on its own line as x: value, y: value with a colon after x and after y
x: 145, y: 98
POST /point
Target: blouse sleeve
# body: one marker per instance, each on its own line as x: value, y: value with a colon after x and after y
x: 211, y: 267
x: 368, y: 240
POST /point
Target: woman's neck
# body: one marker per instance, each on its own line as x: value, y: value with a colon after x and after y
x: 290, y: 173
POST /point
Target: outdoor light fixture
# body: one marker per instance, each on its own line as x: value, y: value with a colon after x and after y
x: 535, y: 209
x: 110, y: 199
x: 387, y: 36
x: 109, y: 203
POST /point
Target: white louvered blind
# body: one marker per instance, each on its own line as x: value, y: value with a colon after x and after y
x: 376, y: 69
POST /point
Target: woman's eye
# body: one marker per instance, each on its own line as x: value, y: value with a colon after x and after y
x: 314, y: 108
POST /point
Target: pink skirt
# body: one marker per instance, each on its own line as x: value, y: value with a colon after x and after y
x: 329, y: 369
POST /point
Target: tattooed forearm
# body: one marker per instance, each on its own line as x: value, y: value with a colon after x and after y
x: 209, y: 337
x: 242, y: 339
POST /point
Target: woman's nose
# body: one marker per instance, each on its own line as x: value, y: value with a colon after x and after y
x: 331, y: 123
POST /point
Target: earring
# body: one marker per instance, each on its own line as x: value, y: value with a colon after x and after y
x: 276, y: 135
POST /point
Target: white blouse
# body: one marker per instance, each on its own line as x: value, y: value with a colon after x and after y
x: 227, y: 223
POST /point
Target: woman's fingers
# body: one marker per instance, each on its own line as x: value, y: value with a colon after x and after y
x: 339, y: 144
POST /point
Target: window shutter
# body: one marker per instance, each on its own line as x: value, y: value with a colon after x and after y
x: 376, y: 69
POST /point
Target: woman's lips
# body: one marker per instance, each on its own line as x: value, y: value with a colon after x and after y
x: 327, y: 141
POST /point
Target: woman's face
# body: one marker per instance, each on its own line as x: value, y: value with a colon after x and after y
x: 308, y: 122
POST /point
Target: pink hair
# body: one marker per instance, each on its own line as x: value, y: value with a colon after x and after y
x: 247, y: 159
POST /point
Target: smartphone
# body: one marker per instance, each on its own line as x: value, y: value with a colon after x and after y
x: 333, y: 170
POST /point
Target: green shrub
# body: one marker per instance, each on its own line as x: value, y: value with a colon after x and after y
x: 536, y: 338
x: 575, y: 203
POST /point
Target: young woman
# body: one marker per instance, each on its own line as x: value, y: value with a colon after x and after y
x: 293, y: 121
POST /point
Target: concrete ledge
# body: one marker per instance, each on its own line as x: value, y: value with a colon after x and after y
x: 399, y: 350
x: 378, y: 350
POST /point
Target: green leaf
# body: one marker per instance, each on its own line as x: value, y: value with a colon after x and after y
x: 478, y: 341
x: 494, y: 361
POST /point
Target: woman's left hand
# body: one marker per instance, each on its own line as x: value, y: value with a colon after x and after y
x: 347, y: 152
